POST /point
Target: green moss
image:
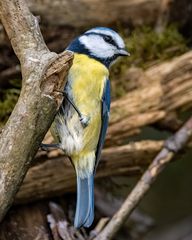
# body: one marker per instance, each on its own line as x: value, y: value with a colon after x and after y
x: 147, y: 45
x: 147, y: 48
x: 8, y: 100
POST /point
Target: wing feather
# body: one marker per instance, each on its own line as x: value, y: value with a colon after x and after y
x: 105, y: 110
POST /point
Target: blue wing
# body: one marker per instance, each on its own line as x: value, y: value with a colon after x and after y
x: 105, y: 109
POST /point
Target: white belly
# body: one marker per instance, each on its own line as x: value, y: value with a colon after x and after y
x: 70, y: 132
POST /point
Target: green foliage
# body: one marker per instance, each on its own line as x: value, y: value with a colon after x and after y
x: 148, y: 47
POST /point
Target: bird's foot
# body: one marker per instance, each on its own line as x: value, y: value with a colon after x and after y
x: 84, y: 120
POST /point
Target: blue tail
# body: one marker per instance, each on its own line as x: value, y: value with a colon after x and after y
x: 84, y: 214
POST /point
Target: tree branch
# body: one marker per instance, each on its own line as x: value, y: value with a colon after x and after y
x: 56, y: 176
x: 93, y: 13
x: 42, y: 72
x: 173, y: 145
x: 161, y: 89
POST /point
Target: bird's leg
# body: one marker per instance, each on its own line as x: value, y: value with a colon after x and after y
x: 47, y: 147
x: 83, y: 119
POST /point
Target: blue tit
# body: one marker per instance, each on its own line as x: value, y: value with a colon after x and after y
x: 81, y: 123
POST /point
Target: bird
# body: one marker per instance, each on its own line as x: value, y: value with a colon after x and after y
x: 80, y: 125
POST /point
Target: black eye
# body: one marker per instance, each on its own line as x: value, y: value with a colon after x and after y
x: 108, y: 39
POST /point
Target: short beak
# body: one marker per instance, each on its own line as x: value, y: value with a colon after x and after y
x: 123, y: 52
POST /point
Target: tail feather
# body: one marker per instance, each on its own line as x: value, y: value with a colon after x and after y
x: 90, y: 218
x: 85, y: 202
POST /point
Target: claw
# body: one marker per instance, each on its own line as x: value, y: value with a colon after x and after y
x: 43, y: 148
x: 48, y: 147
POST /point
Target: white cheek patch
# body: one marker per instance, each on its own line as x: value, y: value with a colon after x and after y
x: 97, y: 46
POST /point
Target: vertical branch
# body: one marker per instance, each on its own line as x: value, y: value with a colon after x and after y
x: 163, y: 17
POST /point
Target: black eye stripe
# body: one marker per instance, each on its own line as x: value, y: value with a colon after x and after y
x: 108, y: 39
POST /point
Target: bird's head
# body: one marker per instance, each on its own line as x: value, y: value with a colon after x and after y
x: 103, y: 44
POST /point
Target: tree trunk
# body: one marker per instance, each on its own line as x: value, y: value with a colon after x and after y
x: 43, y: 72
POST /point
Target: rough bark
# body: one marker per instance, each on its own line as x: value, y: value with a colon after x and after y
x: 43, y: 72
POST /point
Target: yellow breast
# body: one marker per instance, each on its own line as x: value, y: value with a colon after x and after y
x: 87, y: 78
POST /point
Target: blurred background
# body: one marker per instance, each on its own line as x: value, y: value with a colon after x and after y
x: 152, y: 98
